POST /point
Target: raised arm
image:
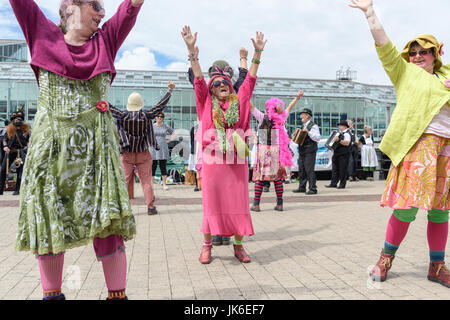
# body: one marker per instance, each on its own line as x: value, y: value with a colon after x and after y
x: 294, y: 101
x: 162, y: 103
x: 116, y: 113
x: 120, y: 24
x: 193, y: 51
x: 32, y: 21
x: 378, y: 33
x: 243, y: 69
x: 243, y: 54
x: 259, y: 45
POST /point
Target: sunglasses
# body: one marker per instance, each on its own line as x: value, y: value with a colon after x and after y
x: 96, y: 6
x: 217, y: 84
x: 421, y: 53
x: 162, y: 117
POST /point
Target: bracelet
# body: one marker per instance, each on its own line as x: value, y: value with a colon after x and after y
x: 256, y: 61
x: 244, y: 58
x: 259, y: 50
x: 192, y: 56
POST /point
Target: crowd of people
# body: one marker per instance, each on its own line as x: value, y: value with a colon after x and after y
x: 81, y: 142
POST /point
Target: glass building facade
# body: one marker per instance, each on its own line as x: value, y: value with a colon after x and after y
x: 330, y: 100
x: 13, y: 51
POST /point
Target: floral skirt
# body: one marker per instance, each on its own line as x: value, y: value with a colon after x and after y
x: 73, y: 187
x: 422, y: 179
x: 267, y: 164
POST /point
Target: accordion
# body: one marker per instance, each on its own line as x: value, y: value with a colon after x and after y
x: 331, y: 144
x: 299, y: 136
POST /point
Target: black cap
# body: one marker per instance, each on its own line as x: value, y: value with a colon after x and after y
x: 343, y: 123
x: 306, y: 110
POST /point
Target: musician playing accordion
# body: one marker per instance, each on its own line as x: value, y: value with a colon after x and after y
x: 307, y: 154
x: 341, y: 157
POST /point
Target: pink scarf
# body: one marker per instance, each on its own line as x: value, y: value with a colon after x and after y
x: 276, y: 113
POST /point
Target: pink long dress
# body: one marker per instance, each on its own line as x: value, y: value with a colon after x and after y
x: 226, y: 208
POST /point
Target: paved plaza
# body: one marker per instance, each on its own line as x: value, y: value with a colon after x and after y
x: 321, y: 247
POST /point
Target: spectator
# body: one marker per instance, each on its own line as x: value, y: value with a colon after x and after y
x: 161, y: 155
x: 369, y: 160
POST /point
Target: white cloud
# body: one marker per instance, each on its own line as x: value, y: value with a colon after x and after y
x: 140, y: 58
x: 177, y: 66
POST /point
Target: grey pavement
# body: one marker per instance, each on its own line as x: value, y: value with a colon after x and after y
x: 320, y: 247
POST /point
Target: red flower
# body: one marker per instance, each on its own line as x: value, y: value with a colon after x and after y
x: 102, y: 106
x: 441, y: 51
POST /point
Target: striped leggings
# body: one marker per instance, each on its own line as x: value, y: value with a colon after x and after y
x: 259, y: 186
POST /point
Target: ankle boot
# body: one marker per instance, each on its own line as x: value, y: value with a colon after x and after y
x: 379, y: 272
x: 240, y: 253
x: 438, y: 272
x: 205, y: 256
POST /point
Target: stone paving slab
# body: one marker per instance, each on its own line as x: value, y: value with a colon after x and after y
x: 320, y: 248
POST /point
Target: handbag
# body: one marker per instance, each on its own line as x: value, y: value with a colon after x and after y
x: 241, y: 146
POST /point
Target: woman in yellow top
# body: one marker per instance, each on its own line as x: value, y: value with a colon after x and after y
x: 418, y: 143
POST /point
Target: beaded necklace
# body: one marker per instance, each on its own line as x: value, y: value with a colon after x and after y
x: 231, y: 118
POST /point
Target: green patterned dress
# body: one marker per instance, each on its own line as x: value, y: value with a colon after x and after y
x: 73, y: 185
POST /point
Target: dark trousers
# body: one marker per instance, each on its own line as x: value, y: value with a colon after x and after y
x: 162, y: 167
x: 339, y: 169
x: 12, y: 156
x: 352, y: 162
x: 306, y: 164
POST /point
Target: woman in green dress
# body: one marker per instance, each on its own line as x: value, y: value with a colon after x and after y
x: 73, y: 189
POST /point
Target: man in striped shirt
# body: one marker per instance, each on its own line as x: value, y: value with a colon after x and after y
x: 136, y: 136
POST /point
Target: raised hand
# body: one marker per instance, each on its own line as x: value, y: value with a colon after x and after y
x: 188, y: 38
x: 171, y: 85
x: 243, y: 53
x: 361, y: 4
x: 259, y: 43
x: 300, y: 94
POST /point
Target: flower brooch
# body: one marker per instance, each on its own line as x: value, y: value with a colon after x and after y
x: 102, y: 106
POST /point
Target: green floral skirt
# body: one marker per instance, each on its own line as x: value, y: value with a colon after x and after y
x: 73, y: 187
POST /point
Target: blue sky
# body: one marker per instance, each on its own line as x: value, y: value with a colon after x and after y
x: 306, y: 38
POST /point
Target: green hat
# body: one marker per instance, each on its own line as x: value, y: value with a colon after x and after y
x: 222, y: 65
x: 306, y: 110
x: 426, y: 41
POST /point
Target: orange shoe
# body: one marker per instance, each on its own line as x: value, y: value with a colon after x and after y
x: 240, y: 253
x: 438, y: 272
x: 379, y: 272
x: 205, y: 256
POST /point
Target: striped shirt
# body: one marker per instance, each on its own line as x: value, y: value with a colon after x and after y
x: 135, y: 128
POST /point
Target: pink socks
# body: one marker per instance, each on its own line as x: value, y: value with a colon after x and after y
x: 437, y: 234
x: 115, y: 270
x: 51, y: 270
x: 396, y: 231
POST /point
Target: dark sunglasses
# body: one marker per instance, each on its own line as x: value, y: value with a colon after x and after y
x: 96, y: 6
x: 217, y: 84
x: 162, y: 117
x: 421, y: 53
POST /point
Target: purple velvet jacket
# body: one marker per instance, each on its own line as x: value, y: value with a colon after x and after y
x: 49, y: 50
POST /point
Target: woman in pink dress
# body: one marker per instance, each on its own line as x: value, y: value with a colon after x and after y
x: 226, y: 209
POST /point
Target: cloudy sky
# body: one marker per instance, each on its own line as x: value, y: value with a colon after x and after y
x: 306, y: 38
